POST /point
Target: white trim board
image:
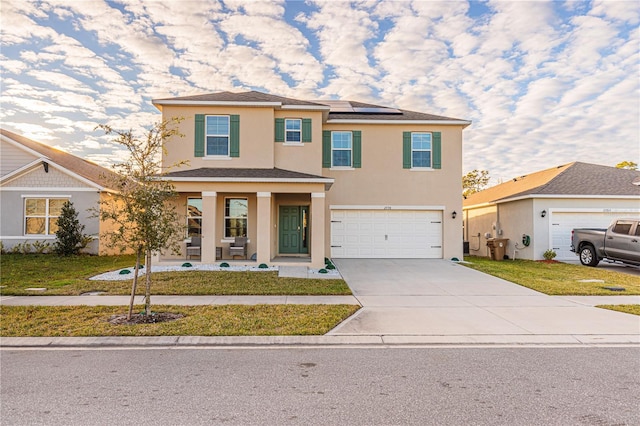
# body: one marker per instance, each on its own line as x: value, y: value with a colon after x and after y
x: 382, y: 207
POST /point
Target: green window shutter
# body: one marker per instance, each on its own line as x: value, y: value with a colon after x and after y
x: 199, y: 136
x: 357, y: 149
x: 279, y: 130
x: 326, y: 149
x: 406, y: 150
x: 306, y: 130
x: 437, y: 150
x: 234, y: 136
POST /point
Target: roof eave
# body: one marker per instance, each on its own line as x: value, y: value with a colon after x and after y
x: 214, y: 103
x: 462, y: 123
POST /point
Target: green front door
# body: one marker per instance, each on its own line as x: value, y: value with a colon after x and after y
x: 294, y: 229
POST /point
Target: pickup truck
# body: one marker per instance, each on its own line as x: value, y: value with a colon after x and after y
x: 620, y: 242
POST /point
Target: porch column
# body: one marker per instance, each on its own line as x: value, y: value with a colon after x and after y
x: 263, y: 244
x: 317, y: 229
x: 208, y: 249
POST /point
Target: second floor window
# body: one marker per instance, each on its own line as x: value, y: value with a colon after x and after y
x: 217, y: 135
x: 293, y: 130
x: 421, y: 150
x: 194, y: 217
x: 341, y: 146
x: 41, y: 215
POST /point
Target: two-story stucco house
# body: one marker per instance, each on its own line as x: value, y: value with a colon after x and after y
x: 316, y: 179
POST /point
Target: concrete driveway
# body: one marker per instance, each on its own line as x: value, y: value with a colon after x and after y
x: 437, y: 301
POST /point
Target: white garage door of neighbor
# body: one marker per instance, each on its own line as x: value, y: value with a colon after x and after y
x: 562, y: 223
x: 386, y: 234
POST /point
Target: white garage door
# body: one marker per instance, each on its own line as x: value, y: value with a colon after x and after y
x: 562, y: 223
x: 386, y: 234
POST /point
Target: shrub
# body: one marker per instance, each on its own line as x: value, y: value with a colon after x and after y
x: 41, y: 247
x: 69, y: 236
x: 549, y: 254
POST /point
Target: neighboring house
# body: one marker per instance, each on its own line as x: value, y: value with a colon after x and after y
x: 35, y: 180
x: 547, y: 205
x: 316, y: 179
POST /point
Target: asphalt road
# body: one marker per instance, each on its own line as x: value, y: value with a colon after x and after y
x: 322, y: 386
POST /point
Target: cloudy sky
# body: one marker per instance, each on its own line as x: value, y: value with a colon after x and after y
x: 545, y: 83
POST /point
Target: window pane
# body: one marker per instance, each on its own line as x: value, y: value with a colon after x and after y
x: 217, y: 145
x: 236, y: 207
x: 341, y: 139
x: 35, y: 206
x: 55, y: 207
x: 194, y: 207
x: 293, y: 124
x: 342, y: 158
x: 194, y: 227
x: 293, y: 136
x: 235, y: 228
x: 421, y: 140
x: 622, y: 228
x: 217, y: 125
x: 53, y: 225
x: 421, y: 159
x: 34, y: 225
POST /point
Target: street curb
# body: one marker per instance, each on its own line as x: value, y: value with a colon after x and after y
x: 326, y: 340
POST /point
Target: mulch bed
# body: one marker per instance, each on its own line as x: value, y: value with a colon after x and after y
x: 155, y: 317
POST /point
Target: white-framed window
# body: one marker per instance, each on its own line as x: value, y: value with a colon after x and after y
x: 341, y: 149
x: 421, y: 148
x: 236, y: 213
x: 293, y: 130
x: 217, y: 135
x: 41, y: 215
x: 194, y: 217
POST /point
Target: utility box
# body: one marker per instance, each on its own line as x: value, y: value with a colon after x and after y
x: 497, y: 247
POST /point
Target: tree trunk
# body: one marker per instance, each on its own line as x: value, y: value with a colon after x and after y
x: 135, y: 284
x: 147, y: 294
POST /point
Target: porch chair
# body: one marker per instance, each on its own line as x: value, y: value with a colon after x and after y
x: 193, y: 248
x: 238, y: 247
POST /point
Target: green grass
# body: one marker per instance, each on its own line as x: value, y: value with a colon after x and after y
x: 628, y: 309
x: 557, y: 278
x: 227, y: 320
x: 69, y: 276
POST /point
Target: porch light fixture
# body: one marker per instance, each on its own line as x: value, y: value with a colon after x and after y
x: 544, y: 213
x: 454, y: 214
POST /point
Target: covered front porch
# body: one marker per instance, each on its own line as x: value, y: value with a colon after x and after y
x: 281, y: 219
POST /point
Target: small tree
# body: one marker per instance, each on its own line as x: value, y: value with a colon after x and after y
x: 143, y: 216
x: 629, y: 165
x: 69, y: 237
x: 474, y: 181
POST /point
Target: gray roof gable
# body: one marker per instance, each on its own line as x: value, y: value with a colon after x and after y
x: 240, y: 97
x: 573, y: 179
x: 77, y: 165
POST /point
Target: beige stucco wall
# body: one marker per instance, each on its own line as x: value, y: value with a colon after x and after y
x: 301, y: 157
x: 524, y: 217
x: 256, y: 137
x: 382, y: 180
x: 478, y: 222
x: 516, y: 218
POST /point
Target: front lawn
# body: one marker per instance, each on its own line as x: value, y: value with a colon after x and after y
x: 557, y: 278
x: 69, y: 276
x: 627, y: 309
x: 228, y: 320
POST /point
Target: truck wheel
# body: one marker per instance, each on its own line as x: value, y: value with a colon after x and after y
x: 588, y: 256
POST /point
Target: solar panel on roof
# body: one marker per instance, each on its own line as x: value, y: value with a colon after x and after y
x: 376, y: 110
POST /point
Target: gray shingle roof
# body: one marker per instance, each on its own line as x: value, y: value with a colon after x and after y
x: 334, y: 114
x: 252, y: 96
x: 570, y: 179
x: 82, y: 167
x: 211, y: 172
x: 403, y: 115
